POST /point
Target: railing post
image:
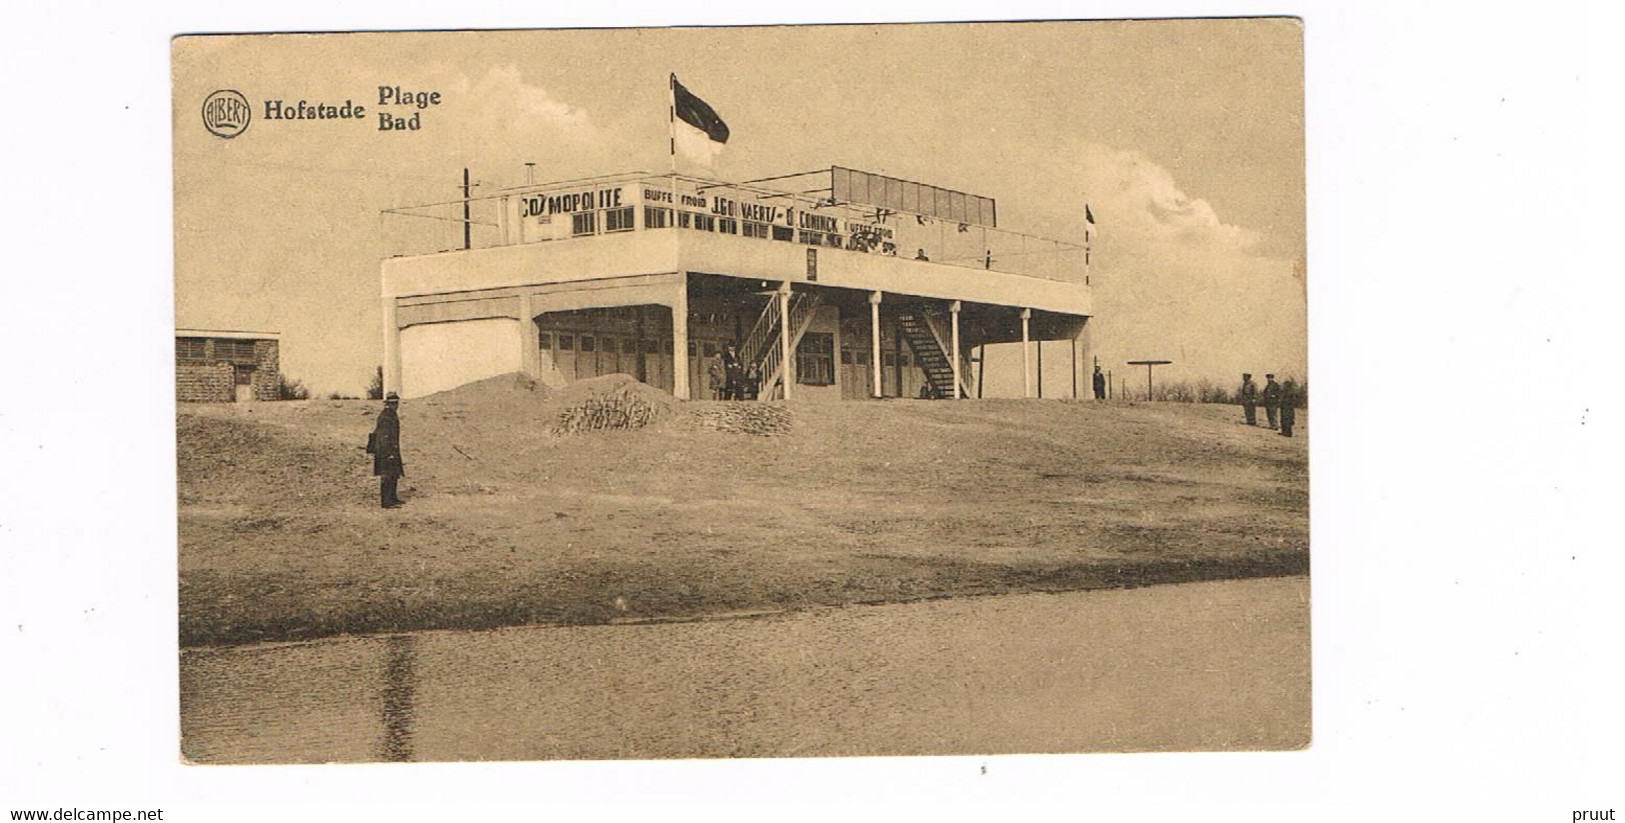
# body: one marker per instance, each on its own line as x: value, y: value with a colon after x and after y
x: 874, y: 339
x: 953, y: 312
x: 784, y: 338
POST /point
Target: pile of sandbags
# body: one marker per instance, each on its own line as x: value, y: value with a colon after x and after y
x: 765, y: 419
x: 617, y: 405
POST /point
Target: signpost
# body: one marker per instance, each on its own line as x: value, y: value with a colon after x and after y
x: 1148, y: 364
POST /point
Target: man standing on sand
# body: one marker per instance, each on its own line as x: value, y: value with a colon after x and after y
x: 1100, y: 384
x: 733, y: 374
x: 1272, y: 399
x: 715, y: 374
x: 1289, y: 406
x: 385, y: 447
x: 1249, y: 399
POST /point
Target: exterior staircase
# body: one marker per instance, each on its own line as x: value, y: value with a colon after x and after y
x: 931, y: 353
x: 761, y: 346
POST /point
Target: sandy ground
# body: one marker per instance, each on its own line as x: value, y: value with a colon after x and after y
x: 510, y: 524
x: 1202, y: 666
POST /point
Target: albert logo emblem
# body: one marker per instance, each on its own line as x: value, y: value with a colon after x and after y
x: 226, y: 113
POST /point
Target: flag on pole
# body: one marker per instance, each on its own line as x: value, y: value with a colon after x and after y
x: 1088, y: 216
x: 697, y: 131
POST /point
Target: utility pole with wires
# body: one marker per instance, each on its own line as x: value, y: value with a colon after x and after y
x: 468, y: 226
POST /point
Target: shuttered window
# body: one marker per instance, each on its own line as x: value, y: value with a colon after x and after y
x: 618, y: 219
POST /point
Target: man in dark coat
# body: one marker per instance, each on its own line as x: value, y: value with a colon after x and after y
x: 1272, y: 399
x: 385, y: 447
x: 1289, y: 405
x: 733, y: 374
x: 1249, y: 399
x: 1100, y: 384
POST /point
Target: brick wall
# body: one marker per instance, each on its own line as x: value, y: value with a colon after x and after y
x: 267, y: 371
x: 199, y: 382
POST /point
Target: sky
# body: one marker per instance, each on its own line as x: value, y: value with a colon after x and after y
x: 1186, y: 139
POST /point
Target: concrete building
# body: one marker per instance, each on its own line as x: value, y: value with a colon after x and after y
x: 226, y: 366
x: 835, y: 284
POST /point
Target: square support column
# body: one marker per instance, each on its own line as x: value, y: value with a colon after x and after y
x: 1083, y: 371
x: 679, y: 341
x: 1026, y: 354
x: 530, y: 359
x: 953, y: 313
x: 874, y: 341
x: 786, y: 365
x: 392, y: 348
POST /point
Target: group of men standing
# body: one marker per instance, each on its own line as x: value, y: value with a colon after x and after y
x: 730, y: 378
x: 1280, y: 401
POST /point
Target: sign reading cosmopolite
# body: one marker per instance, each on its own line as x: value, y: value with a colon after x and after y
x: 226, y: 113
x: 537, y: 205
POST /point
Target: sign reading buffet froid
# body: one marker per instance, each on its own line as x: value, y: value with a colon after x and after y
x: 559, y: 215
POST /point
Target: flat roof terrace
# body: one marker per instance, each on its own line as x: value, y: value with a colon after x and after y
x: 640, y: 223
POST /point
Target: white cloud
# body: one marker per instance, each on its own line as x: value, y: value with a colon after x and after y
x: 1173, y: 279
x: 509, y: 106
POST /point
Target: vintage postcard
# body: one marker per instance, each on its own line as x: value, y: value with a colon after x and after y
x: 793, y: 391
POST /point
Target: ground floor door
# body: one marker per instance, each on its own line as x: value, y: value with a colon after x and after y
x: 566, y: 355
x: 244, y: 388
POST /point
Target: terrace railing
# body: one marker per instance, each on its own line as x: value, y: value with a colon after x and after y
x: 435, y: 228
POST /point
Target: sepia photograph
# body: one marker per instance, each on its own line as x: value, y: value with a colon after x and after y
x: 742, y: 392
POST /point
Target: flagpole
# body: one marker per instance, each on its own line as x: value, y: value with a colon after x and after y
x: 671, y: 121
x: 1088, y: 239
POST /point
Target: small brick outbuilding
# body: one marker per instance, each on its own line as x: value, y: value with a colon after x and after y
x: 226, y: 366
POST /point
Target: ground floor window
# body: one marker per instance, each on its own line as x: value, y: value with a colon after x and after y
x: 236, y: 351
x: 815, y: 359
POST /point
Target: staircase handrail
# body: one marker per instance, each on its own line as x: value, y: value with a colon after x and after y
x: 940, y: 335
x: 802, y: 305
x: 750, y: 351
